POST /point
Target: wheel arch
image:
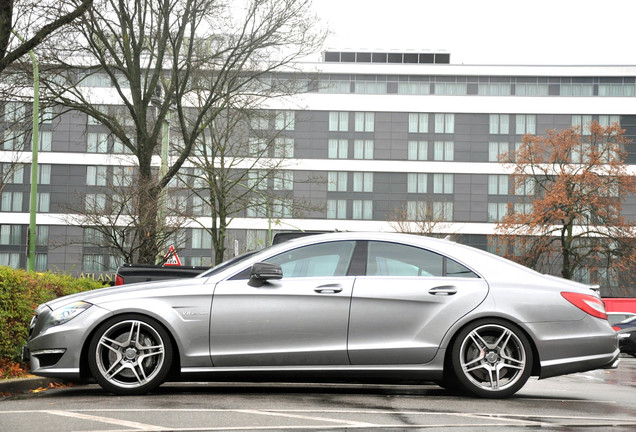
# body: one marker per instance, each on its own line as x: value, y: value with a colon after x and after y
x: 454, y: 332
x: 175, y: 367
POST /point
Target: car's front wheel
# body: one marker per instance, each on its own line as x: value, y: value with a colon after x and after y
x: 491, y: 358
x: 130, y: 355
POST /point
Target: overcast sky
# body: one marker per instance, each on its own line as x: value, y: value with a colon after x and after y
x: 545, y: 32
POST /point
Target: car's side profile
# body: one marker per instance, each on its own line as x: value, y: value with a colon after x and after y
x: 345, y: 305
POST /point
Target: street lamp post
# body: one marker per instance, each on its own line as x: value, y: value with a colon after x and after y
x: 34, y: 162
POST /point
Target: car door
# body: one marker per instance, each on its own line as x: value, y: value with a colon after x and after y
x: 404, y: 305
x: 300, y: 319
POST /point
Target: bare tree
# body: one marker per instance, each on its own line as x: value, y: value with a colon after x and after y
x: 172, y: 58
x: 241, y: 168
x: 421, y: 218
x: 26, y: 24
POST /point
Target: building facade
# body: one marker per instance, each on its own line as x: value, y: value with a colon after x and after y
x: 377, y: 138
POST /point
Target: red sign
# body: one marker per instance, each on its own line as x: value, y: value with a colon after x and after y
x: 171, y: 258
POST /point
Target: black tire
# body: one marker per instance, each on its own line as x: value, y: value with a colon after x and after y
x: 491, y: 358
x: 130, y: 355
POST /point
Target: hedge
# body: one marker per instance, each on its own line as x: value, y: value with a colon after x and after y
x: 20, y: 294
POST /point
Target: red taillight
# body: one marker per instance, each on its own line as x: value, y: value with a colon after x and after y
x: 616, y: 328
x: 587, y: 303
x: 119, y: 280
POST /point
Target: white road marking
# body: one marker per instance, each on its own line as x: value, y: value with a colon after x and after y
x: 277, y: 413
x: 124, y: 423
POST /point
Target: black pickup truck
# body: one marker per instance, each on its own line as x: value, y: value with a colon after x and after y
x: 132, y: 273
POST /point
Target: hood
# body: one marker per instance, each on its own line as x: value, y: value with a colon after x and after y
x: 103, y: 295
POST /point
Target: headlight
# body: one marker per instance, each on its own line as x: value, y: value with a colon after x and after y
x: 66, y: 313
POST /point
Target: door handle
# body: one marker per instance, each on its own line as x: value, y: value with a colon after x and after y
x: 443, y: 290
x: 328, y: 289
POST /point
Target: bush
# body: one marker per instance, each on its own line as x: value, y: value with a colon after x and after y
x: 20, y: 294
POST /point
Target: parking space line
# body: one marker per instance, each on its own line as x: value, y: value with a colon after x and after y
x: 124, y: 423
x: 277, y: 413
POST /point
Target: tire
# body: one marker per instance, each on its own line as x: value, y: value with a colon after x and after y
x: 491, y: 358
x: 130, y: 355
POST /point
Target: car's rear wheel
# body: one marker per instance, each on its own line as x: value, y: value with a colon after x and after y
x: 130, y: 355
x: 491, y: 358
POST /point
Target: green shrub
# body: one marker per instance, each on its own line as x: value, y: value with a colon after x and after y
x: 20, y: 294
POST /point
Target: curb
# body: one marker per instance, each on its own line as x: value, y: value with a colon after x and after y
x: 25, y: 385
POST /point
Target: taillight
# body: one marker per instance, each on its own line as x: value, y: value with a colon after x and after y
x: 119, y: 280
x: 587, y: 303
x: 616, y: 328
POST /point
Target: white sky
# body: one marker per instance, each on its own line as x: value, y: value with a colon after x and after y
x: 547, y: 32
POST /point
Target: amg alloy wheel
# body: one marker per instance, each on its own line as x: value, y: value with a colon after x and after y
x: 130, y: 355
x: 492, y: 359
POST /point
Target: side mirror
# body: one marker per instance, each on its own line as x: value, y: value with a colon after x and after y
x: 264, y: 271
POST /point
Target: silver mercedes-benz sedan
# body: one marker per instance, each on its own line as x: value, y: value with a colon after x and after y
x: 337, y: 306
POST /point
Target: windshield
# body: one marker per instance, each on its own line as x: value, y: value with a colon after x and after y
x: 225, y: 264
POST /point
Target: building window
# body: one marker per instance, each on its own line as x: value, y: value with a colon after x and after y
x: 123, y: 176
x: 96, y: 175
x: 336, y: 181
x: 10, y: 259
x: 577, y: 89
x: 258, y: 208
x: 14, y: 112
x: 443, y: 183
x: 496, y: 150
x: 418, y: 123
x: 498, y: 185
x: 13, y: 140
x: 531, y: 89
x: 10, y: 234
x: 338, y: 149
x: 338, y: 121
x: 201, y: 239
x: 365, y: 122
x: 451, y: 89
x: 257, y: 147
x: 444, y: 151
x: 260, y: 121
x: 42, y: 235
x: 336, y: 209
x: 11, y: 202
x: 608, y: 120
x: 494, y: 89
x: 284, y: 147
x: 523, y: 208
x: 285, y: 120
x: 496, y: 211
x: 525, y: 188
x: 417, y: 183
x: 13, y: 173
x: 418, y: 88
x: 526, y: 124
x: 95, y: 203
x: 443, y: 211
x: 416, y: 211
x: 363, y: 149
x: 119, y: 147
x: 96, y: 142
x: 46, y: 140
x: 445, y: 123
x: 43, y: 202
x: 582, y: 123
x: 499, y: 124
x: 282, y: 207
x: 362, y: 182
x: 284, y: 180
x: 362, y: 209
x: 93, y: 262
x: 44, y: 174
x: 418, y: 150
x: 257, y: 179
x: 93, y: 237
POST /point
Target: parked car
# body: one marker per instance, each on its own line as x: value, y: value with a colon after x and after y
x: 617, y: 317
x: 342, y: 305
x: 627, y: 335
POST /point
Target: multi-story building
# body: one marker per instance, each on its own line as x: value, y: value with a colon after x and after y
x: 390, y: 134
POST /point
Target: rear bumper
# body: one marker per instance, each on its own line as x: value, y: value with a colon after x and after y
x: 570, y: 365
